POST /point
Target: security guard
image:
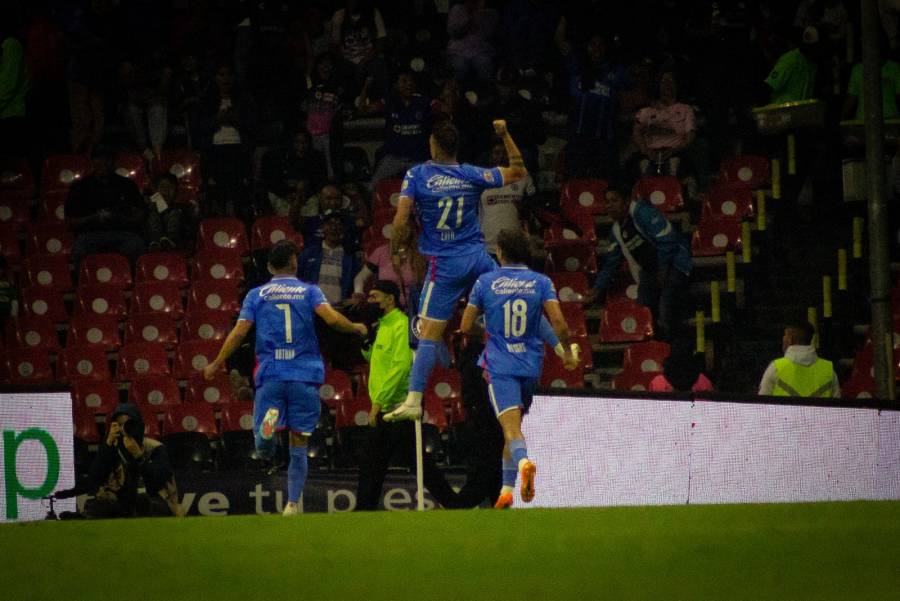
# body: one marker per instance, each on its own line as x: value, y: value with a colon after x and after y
x: 801, y: 372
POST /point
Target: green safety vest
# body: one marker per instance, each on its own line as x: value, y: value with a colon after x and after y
x: 793, y: 379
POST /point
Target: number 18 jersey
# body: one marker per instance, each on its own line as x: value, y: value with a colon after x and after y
x: 446, y: 199
x: 512, y: 299
x: 287, y: 348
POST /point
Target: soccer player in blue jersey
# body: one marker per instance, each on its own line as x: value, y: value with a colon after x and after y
x: 513, y: 299
x: 446, y: 196
x: 289, y: 366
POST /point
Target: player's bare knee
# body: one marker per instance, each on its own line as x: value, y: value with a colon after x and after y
x: 298, y: 439
x: 432, y: 329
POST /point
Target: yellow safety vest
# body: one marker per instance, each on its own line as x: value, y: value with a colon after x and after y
x: 793, y: 379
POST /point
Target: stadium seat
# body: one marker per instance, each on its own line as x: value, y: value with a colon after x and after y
x: 52, y: 206
x: 238, y: 450
x: 14, y: 208
x: 554, y: 375
x: 387, y: 193
x: 162, y: 267
x: 85, y: 425
x: 99, y: 397
x: 858, y: 386
x: 633, y: 380
x: 16, y: 175
x: 29, y: 367
x: 623, y: 286
x: 625, y: 321
x: 41, y: 302
x: 714, y: 237
x: 583, y: 196
x: 374, y: 237
x: 237, y: 417
x: 353, y: 412
x: 101, y: 299
x: 78, y: 363
x: 9, y: 243
x: 223, y: 233
x: 217, y: 391
x: 151, y: 419
x: 157, y: 297
x: 215, y: 295
x: 189, y: 429
x: 142, y: 359
x: 106, y: 269
x: 155, y: 392
x: 746, y: 170
x: 183, y: 164
x: 579, y: 229
x: 94, y: 330
x: 444, y: 386
x: 382, y: 222
x: 191, y: 417
x: 336, y: 388
x: 574, y: 314
x: 50, y: 238
x: 576, y: 257
x: 159, y: 328
x: 61, y: 171
x: 29, y: 331
x: 664, y: 193
x: 435, y: 413
x: 266, y: 231
x: 217, y: 265
x: 206, y: 325
x: 647, y: 357
x: 51, y: 271
x: 728, y: 202
x: 193, y: 356
x: 130, y: 165
x: 570, y: 286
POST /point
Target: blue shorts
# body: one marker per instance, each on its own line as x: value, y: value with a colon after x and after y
x: 508, y: 392
x: 448, y: 279
x: 298, y: 405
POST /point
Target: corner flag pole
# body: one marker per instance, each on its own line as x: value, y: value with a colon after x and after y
x: 420, y: 487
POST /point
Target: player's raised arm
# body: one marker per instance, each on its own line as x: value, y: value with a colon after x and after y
x: 232, y: 342
x: 339, y: 322
x: 516, y: 170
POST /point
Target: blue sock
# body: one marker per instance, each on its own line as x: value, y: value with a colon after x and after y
x: 422, y: 366
x: 547, y: 333
x: 509, y: 472
x: 297, y: 470
x: 517, y: 451
x: 265, y: 449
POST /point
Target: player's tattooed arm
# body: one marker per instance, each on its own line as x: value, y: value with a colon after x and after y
x: 516, y: 170
x: 339, y: 322
x: 401, y: 218
x: 232, y: 342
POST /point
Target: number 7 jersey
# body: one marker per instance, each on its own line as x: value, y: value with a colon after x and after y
x: 446, y: 199
x: 512, y: 299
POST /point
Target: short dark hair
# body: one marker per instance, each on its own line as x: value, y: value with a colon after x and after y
x: 803, y: 331
x: 280, y: 254
x: 388, y: 287
x: 514, y: 245
x: 446, y: 136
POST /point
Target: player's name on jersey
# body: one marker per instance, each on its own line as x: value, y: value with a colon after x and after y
x: 517, y: 347
x: 285, y: 354
x: 282, y: 292
x: 445, y: 183
x: 504, y: 285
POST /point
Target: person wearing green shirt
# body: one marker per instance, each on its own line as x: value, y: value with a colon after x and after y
x: 390, y: 359
x: 13, y: 87
x: 890, y: 89
x: 793, y: 77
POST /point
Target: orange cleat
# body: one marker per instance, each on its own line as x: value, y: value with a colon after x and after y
x: 526, y: 479
x: 504, y: 501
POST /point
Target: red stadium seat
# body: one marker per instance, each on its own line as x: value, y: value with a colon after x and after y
x: 574, y: 314
x: 728, y: 202
x: 52, y: 206
x: 435, y: 413
x: 625, y: 321
x: 633, y: 380
x: 714, y: 237
x: 266, y: 231
x: 50, y: 238
x: 79, y: 363
x: 159, y: 328
x: 29, y: 331
x: 387, y: 193
x: 94, y: 330
x: 215, y: 295
x: 336, y: 388
x: 206, y: 325
x: 97, y: 397
x: 15, y: 175
x: 155, y: 392
x: 579, y: 229
x: 44, y: 303
x: 647, y: 357
x: 29, y: 366
x: 151, y: 420
x: 858, y: 386
x: 221, y: 233
x: 51, y: 271
x: 216, y: 391
x: 142, y: 359
x: 192, y: 417
x: 444, y: 386
x: 575, y: 257
x: 382, y: 224
x: 570, y: 286
x: 353, y: 412
x: 237, y: 417
x: 14, y: 208
x: 157, y: 297
x: 554, y: 375
x: 373, y: 237
x: 162, y: 267
x: 746, y: 170
x: 192, y: 357
x: 664, y: 193
x: 217, y: 265
x: 9, y: 243
x: 583, y: 196
x: 132, y: 166
x: 84, y: 425
x: 106, y: 270
x: 61, y: 171
x: 183, y: 164
x: 101, y: 299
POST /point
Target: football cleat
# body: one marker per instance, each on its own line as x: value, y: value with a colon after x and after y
x: 291, y: 509
x: 408, y: 410
x: 504, y: 501
x: 267, y: 427
x: 526, y: 478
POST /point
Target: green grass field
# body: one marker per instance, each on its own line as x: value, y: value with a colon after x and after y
x: 812, y: 551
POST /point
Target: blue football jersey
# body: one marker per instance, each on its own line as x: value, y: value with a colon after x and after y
x: 446, y: 199
x: 287, y: 348
x: 512, y: 299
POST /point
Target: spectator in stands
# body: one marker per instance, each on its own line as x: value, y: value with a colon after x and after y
x: 500, y: 206
x: 890, y: 88
x: 528, y: 30
x: 106, y: 211
x: 396, y: 261
x: 291, y: 172
x: 125, y: 460
x: 594, y: 88
x: 146, y: 104
x: 470, y: 53
x: 9, y: 295
x: 658, y: 257
x: 682, y: 370
x: 472, y: 123
x: 189, y: 90
x: 357, y: 34
x: 408, y: 118
x: 167, y: 219
x: 13, y: 88
x: 794, y: 75
x: 830, y: 16
x: 391, y: 358
x: 801, y: 372
x: 329, y: 262
x: 324, y: 106
x: 311, y: 216
x: 516, y: 104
